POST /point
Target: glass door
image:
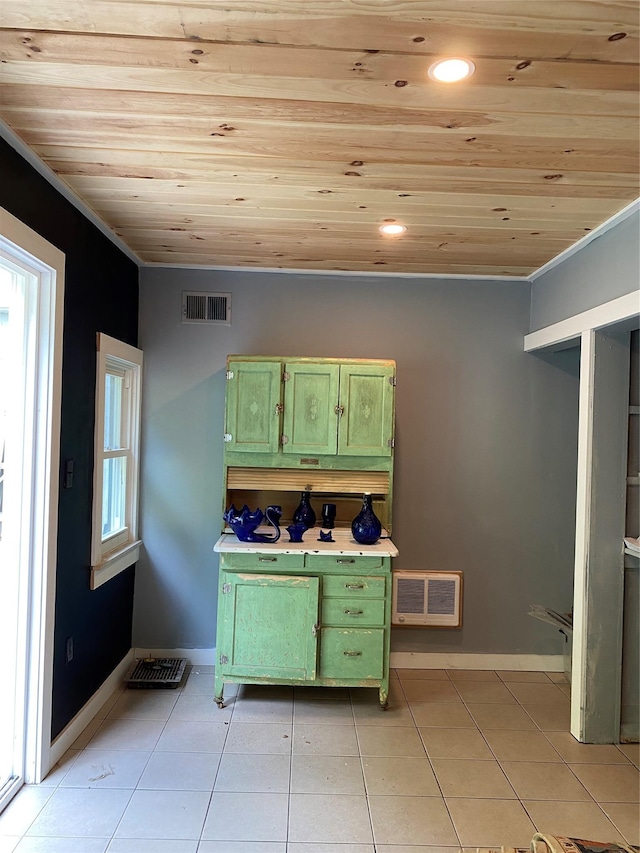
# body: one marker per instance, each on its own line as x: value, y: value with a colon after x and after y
x: 16, y: 427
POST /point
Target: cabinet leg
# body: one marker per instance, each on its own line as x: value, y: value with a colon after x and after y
x: 384, y: 697
x: 218, y: 691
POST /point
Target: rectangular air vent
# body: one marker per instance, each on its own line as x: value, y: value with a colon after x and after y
x: 203, y: 307
x: 427, y: 598
x: 157, y: 672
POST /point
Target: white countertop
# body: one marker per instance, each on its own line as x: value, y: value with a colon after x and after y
x: 344, y: 544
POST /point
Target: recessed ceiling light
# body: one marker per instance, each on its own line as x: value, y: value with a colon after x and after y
x: 451, y: 70
x: 393, y: 228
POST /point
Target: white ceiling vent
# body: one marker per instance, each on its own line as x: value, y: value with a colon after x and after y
x: 203, y: 307
x: 427, y: 598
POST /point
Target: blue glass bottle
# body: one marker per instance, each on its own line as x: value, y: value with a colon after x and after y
x: 305, y: 513
x: 366, y: 527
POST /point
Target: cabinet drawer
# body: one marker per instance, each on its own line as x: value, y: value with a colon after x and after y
x: 346, y: 611
x: 352, y: 586
x: 262, y: 561
x: 351, y: 653
x: 362, y: 565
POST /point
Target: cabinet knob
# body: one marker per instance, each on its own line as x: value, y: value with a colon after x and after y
x: 339, y: 410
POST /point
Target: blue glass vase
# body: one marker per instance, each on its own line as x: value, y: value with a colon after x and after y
x: 305, y: 513
x: 366, y: 527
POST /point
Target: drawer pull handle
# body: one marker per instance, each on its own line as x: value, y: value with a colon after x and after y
x: 267, y: 559
x: 345, y: 562
x: 353, y: 612
x: 354, y: 586
x: 352, y: 654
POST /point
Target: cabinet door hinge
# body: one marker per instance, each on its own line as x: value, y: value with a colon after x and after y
x: 391, y: 442
x: 226, y: 587
x: 392, y: 381
x: 284, y: 439
x: 224, y: 659
x: 229, y: 374
x: 286, y: 376
x: 228, y: 436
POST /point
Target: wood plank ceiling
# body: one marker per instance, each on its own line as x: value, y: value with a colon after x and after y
x: 283, y: 133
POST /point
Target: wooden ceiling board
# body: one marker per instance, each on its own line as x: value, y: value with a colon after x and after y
x: 282, y: 134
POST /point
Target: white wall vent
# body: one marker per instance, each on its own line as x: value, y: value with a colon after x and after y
x: 203, y: 307
x: 427, y: 598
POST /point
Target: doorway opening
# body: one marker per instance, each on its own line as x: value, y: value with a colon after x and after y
x: 31, y: 286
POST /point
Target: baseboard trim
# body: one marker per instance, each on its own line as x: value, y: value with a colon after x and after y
x: 456, y: 660
x: 402, y: 660
x: 197, y: 657
x: 77, y: 725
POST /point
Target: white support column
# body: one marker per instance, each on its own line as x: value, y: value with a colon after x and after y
x: 599, y: 572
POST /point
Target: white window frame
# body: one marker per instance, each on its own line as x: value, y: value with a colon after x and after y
x: 115, y: 553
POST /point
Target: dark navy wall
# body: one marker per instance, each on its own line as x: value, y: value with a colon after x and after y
x: 101, y: 295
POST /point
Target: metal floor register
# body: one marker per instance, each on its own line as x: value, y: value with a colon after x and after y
x: 157, y: 673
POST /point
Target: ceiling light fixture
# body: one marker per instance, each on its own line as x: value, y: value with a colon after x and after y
x: 393, y: 228
x: 451, y: 70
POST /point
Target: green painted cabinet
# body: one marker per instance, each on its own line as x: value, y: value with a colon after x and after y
x: 317, y: 619
x: 323, y: 407
x: 316, y: 613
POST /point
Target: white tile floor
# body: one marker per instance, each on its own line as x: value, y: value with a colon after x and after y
x: 460, y: 759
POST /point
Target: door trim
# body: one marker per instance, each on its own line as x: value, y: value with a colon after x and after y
x: 50, y: 262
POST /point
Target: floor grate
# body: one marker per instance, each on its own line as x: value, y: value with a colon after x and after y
x: 157, y: 673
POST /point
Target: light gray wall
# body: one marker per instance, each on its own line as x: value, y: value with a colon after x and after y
x: 486, y: 442
x: 603, y: 270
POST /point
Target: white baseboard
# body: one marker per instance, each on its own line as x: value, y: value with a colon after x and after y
x: 77, y: 725
x: 456, y: 660
x: 197, y: 657
x: 403, y: 660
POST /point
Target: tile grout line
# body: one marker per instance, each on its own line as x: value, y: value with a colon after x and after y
x: 426, y: 751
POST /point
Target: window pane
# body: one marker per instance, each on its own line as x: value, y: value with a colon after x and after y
x: 113, y: 495
x: 113, y: 412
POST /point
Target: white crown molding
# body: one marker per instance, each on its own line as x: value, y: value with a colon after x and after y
x: 64, y: 189
x: 340, y: 273
x: 601, y: 229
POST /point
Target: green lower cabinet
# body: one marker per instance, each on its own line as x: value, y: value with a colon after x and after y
x: 352, y: 653
x: 268, y: 627
x: 280, y: 625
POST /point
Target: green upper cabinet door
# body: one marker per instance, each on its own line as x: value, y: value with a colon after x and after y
x: 253, y: 406
x: 310, y: 400
x: 366, y: 402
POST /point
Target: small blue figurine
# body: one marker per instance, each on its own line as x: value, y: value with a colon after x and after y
x: 295, y: 531
x: 326, y: 537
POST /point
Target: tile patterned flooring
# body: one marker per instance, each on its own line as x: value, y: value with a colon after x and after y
x: 462, y: 759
